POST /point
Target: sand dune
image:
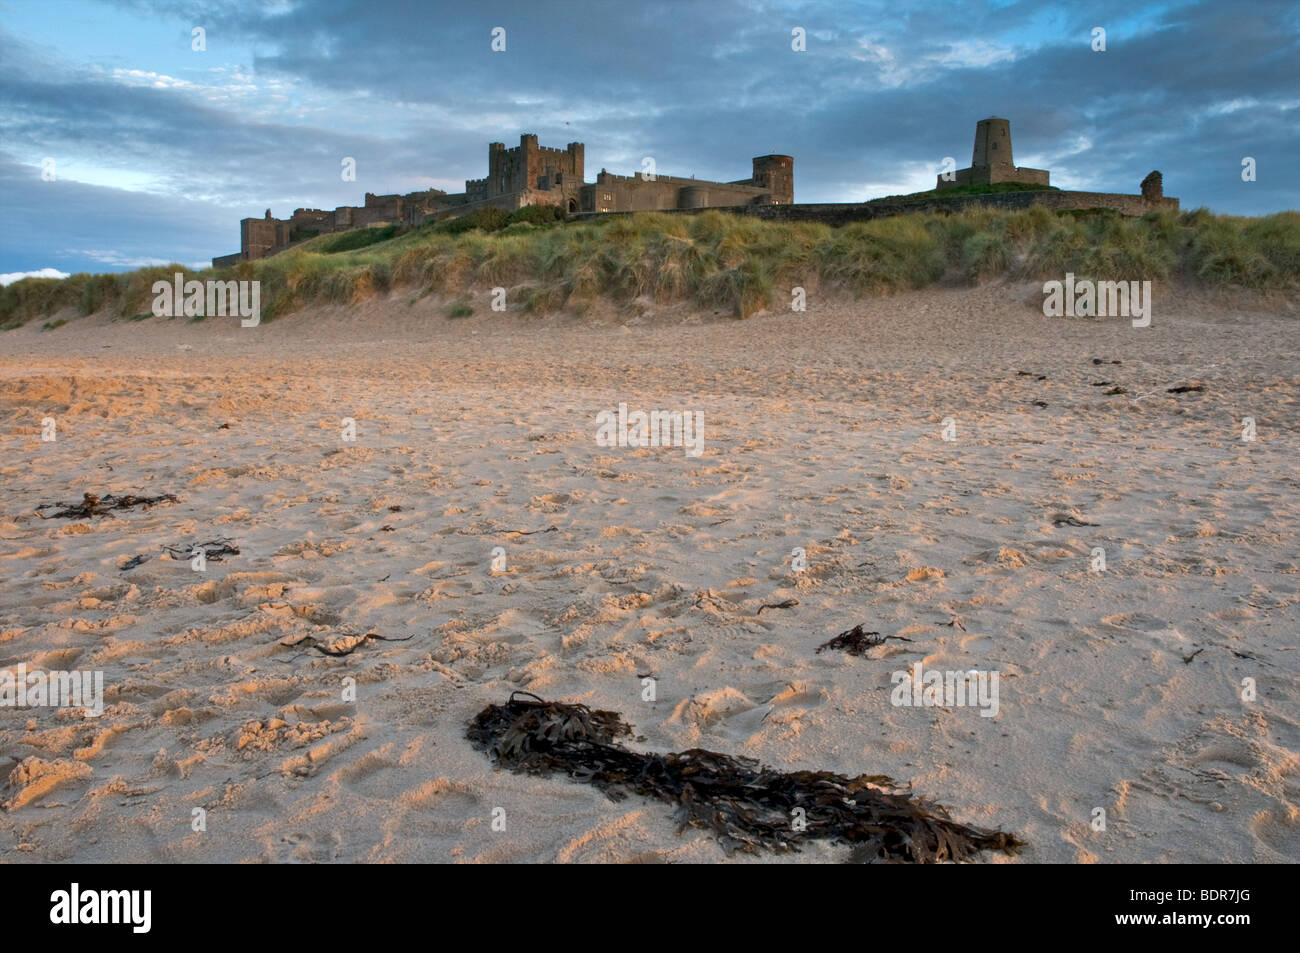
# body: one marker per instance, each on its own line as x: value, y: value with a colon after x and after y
x: 1120, y: 689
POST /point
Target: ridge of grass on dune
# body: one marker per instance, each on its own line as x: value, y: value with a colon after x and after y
x: 716, y: 260
x: 954, y: 191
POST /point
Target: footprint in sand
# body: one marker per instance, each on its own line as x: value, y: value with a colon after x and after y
x: 298, y: 848
x: 708, y: 709
x: 793, y: 701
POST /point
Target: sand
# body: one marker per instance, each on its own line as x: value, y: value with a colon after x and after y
x: 1120, y: 690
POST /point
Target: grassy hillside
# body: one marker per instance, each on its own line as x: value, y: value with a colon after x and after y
x: 716, y: 260
x: 994, y: 188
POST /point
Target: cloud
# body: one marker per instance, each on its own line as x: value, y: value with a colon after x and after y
x: 38, y: 273
x: 181, y: 145
x: 65, y: 223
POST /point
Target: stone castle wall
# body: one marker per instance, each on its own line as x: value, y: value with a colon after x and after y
x: 772, y: 182
x: 990, y: 175
x: 837, y: 213
x: 638, y: 193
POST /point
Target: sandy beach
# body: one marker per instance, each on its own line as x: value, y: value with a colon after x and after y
x: 476, y: 519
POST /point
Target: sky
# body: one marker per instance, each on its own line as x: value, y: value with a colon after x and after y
x: 121, y: 145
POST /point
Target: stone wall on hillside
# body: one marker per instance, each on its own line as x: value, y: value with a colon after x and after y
x: 836, y: 213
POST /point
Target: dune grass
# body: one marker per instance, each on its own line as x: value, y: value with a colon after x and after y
x: 719, y: 261
x: 358, y: 238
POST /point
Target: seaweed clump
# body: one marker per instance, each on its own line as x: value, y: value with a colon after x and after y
x: 747, y: 806
x: 857, y: 640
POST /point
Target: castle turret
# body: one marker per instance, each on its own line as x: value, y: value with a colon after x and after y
x: 776, y: 174
x: 577, y: 150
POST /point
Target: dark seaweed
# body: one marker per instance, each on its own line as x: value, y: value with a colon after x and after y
x: 92, y: 505
x: 747, y: 806
x: 855, y: 641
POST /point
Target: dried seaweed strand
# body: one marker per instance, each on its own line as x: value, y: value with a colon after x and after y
x: 92, y: 505
x: 214, y: 550
x: 314, y: 643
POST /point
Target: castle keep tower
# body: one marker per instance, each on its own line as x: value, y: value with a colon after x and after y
x: 991, y: 161
x: 528, y: 166
x: 776, y: 174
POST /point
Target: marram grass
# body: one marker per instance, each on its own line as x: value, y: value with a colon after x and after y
x: 718, y: 261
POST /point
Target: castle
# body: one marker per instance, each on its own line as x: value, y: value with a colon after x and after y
x: 991, y: 160
x: 533, y: 175
x: 528, y: 174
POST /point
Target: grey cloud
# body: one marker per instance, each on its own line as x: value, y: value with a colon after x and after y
x: 701, y: 86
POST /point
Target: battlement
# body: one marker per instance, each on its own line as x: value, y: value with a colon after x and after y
x: 604, y: 177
